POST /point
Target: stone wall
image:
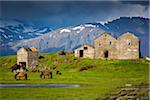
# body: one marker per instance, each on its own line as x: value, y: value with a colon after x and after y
x: 88, y: 51
x: 22, y: 56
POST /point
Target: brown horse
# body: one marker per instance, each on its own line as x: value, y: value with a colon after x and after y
x: 45, y: 73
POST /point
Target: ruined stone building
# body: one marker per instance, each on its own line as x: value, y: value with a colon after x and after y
x: 125, y: 46
x: 85, y: 51
x: 27, y: 56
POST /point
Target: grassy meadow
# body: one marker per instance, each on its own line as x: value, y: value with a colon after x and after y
x: 97, y: 82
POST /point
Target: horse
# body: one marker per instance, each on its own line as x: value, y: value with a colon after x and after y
x: 20, y: 71
x: 47, y: 73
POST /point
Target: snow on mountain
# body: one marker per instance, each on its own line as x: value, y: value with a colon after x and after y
x: 65, y: 30
x: 5, y: 36
x: 79, y: 28
x: 90, y: 25
x: 2, y: 31
x: 43, y: 30
x: 29, y: 29
x: 20, y: 37
x: 103, y: 23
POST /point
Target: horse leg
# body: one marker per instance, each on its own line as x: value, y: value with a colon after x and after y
x: 15, y: 76
x: 41, y: 75
x: 51, y: 75
x: 26, y: 77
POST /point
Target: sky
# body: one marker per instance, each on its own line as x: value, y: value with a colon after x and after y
x: 57, y: 14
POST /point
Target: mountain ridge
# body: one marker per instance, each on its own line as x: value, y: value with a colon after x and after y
x: 72, y: 36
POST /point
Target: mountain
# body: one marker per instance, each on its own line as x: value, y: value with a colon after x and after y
x: 63, y: 39
x: 72, y: 37
x: 13, y: 31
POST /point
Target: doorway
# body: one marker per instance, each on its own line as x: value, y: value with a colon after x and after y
x: 23, y: 64
x: 81, y: 53
x: 106, y: 54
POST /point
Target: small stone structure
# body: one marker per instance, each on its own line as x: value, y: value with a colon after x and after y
x: 27, y: 56
x: 125, y: 46
x: 85, y: 51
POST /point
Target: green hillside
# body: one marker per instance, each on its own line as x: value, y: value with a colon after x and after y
x: 96, y: 82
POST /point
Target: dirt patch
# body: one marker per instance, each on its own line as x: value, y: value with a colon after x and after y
x: 86, y: 68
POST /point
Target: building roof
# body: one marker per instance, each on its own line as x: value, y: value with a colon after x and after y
x: 128, y: 33
x: 83, y: 46
x: 105, y: 33
x: 33, y: 49
x: 118, y: 36
x: 27, y: 49
x: 88, y: 45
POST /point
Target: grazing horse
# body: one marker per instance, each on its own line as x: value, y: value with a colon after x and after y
x: 45, y: 73
x: 20, y: 71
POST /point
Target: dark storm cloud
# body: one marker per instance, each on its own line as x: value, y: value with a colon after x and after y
x: 65, y: 13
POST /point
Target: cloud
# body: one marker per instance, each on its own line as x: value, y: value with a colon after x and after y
x: 127, y: 10
x: 60, y: 14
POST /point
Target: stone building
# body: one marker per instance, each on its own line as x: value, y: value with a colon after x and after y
x: 27, y: 56
x: 128, y: 46
x: 125, y: 46
x: 85, y: 51
x: 105, y: 46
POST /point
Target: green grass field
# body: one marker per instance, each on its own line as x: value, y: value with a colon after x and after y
x: 106, y: 76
